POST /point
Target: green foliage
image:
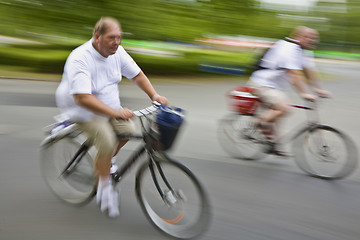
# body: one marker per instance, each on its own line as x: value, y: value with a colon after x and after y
x: 64, y: 24
x: 46, y: 60
x: 153, y: 58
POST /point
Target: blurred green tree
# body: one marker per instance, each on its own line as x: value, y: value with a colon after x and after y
x: 65, y: 24
x: 177, y: 20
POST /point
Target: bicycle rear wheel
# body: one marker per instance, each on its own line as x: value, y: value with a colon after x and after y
x: 240, y: 138
x: 74, y: 184
x: 325, y: 152
x: 172, y: 198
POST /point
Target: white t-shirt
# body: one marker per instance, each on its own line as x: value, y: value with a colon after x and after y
x: 283, y: 55
x: 87, y: 71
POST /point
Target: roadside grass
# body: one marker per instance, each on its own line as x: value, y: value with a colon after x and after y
x: 11, y: 72
x: 161, y: 61
x: 26, y: 73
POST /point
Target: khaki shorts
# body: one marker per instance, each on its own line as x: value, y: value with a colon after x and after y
x: 103, y: 133
x: 272, y: 96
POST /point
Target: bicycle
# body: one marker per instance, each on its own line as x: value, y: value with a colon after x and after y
x: 319, y: 150
x: 170, y: 195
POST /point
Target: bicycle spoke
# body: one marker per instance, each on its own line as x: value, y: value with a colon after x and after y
x: 182, y: 211
x: 240, y: 138
x: 326, y: 153
x: 71, y: 166
x: 71, y: 178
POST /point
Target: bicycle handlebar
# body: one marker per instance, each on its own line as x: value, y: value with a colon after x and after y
x: 147, y: 110
x: 311, y: 105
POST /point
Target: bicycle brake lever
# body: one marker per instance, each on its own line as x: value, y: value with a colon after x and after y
x: 156, y: 103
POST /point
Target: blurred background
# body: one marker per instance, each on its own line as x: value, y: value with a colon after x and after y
x: 193, y: 42
x: 171, y: 37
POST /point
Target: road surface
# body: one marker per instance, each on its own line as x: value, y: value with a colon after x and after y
x: 262, y: 200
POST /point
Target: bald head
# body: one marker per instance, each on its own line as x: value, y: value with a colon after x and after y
x: 307, y: 37
x: 104, y: 24
x: 107, y: 36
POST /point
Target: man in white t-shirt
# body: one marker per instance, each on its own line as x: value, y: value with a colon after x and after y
x: 88, y: 95
x: 286, y: 61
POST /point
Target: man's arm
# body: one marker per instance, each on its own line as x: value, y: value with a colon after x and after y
x: 311, y: 75
x: 313, y: 81
x: 94, y: 104
x: 297, y: 79
x: 144, y: 83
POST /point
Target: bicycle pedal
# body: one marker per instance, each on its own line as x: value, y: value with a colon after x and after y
x: 114, y: 168
x: 182, y: 196
x: 170, y: 198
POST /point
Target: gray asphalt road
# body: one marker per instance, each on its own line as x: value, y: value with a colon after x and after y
x: 262, y: 200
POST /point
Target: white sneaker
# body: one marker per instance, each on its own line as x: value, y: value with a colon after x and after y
x: 114, y: 167
x: 108, y: 199
x: 114, y: 205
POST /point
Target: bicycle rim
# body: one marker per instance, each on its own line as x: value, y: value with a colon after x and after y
x: 76, y: 187
x: 239, y: 137
x: 325, y: 152
x: 183, y: 211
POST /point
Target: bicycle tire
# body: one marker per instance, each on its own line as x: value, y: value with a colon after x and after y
x: 77, y: 187
x: 182, y: 213
x: 240, y: 138
x: 325, y: 152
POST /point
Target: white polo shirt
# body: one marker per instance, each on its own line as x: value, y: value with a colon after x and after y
x: 87, y: 71
x: 283, y: 55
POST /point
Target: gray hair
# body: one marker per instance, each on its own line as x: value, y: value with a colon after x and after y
x: 103, y: 25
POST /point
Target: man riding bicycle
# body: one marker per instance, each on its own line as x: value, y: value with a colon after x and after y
x: 285, y: 61
x: 88, y: 95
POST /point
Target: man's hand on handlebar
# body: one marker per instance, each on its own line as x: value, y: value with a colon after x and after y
x: 124, y: 113
x: 322, y: 93
x: 161, y: 99
x: 319, y: 92
x: 309, y: 97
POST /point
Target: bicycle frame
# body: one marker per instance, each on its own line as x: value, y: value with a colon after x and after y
x: 77, y: 158
x: 127, y: 165
x: 146, y: 146
x: 170, y: 195
x: 312, y: 121
x: 116, y: 176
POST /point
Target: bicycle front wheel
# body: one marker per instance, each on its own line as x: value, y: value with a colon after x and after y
x: 73, y: 183
x: 240, y: 138
x: 325, y: 152
x: 172, y: 198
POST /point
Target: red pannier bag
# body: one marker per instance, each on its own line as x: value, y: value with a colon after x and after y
x: 243, y: 100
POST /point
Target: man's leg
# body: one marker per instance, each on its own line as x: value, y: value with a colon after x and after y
x: 269, y: 123
x: 101, y: 134
x: 113, y: 166
x: 122, y: 128
x: 270, y: 120
x: 279, y: 107
x: 274, y: 113
x: 103, y: 165
x: 120, y: 144
x: 275, y: 118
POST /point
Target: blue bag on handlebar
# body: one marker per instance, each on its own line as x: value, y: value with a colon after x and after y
x: 168, y: 121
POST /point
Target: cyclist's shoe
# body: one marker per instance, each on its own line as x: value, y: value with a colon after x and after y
x: 280, y: 153
x: 274, y: 150
x: 114, y: 167
x: 266, y: 129
x: 108, y: 199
